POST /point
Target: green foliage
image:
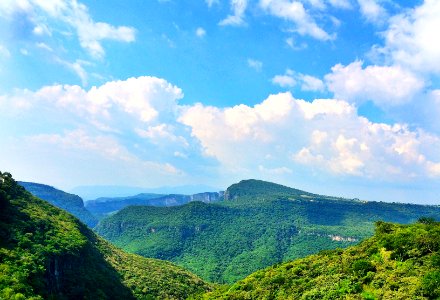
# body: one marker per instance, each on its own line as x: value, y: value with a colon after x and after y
x: 69, y: 202
x: 45, y: 253
x: 431, y: 285
x: 259, y: 224
x: 365, y: 271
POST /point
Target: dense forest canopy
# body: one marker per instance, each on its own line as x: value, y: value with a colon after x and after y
x: 259, y: 224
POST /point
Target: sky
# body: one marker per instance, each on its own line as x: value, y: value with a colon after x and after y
x: 338, y: 97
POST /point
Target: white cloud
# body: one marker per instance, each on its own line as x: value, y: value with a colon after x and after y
x: 200, y: 32
x: 4, y: 52
x: 125, y: 128
x: 290, y: 79
x: 292, y: 44
x: 282, y: 132
x: 372, y: 11
x: 44, y: 46
x: 211, y: 2
x: 412, y: 38
x: 295, y: 12
x: 73, y: 14
x: 344, y: 4
x: 311, y: 83
x: 236, y: 19
x: 255, y: 64
x: 144, y: 99
x: 284, y: 80
x: 76, y: 67
x: 318, y: 4
x: 384, y: 85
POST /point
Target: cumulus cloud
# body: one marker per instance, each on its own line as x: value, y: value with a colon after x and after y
x: 236, y: 19
x: 328, y: 135
x: 384, y: 85
x: 137, y: 127
x: 412, y: 38
x: 295, y: 12
x: 125, y: 127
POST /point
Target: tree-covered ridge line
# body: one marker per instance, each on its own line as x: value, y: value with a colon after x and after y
x: 46, y: 253
x: 398, y: 262
x: 69, y: 202
x: 103, y: 206
x: 258, y: 224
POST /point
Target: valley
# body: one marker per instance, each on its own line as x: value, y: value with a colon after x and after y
x: 257, y: 239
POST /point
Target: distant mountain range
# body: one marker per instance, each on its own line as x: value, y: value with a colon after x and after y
x: 93, y: 210
x: 258, y: 224
x: 93, y: 192
x: 105, y: 205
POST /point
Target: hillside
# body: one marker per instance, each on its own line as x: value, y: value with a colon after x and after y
x: 260, y: 188
x: 398, y: 262
x: 46, y: 253
x: 105, y: 205
x: 69, y: 202
x: 259, y: 224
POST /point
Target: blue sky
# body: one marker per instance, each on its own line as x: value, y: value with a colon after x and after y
x: 340, y: 97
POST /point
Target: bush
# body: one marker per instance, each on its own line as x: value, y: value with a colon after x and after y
x: 431, y: 285
x: 362, y: 266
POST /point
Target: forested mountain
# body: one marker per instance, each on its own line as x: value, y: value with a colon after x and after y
x: 69, y: 202
x: 398, y: 262
x: 259, y: 224
x: 105, y: 205
x: 46, y: 253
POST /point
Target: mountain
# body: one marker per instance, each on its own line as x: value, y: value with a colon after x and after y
x: 105, y: 205
x: 259, y: 188
x: 258, y: 224
x: 69, y: 202
x: 97, y: 191
x: 398, y: 262
x: 46, y: 253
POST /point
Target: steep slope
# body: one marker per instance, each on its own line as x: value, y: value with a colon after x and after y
x: 398, y: 262
x: 259, y: 188
x: 105, y: 205
x: 69, y: 202
x: 262, y: 224
x: 46, y: 253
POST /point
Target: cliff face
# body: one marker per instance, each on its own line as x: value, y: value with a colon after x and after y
x: 208, y: 197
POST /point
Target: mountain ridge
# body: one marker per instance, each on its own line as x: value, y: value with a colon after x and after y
x: 227, y: 240
x: 46, y: 253
x: 67, y: 201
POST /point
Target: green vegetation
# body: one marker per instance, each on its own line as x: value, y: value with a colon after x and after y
x: 398, y: 262
x: 259, y: 224
x: 46, y: 253
x: 105, y: 206
x: 69, y: 202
